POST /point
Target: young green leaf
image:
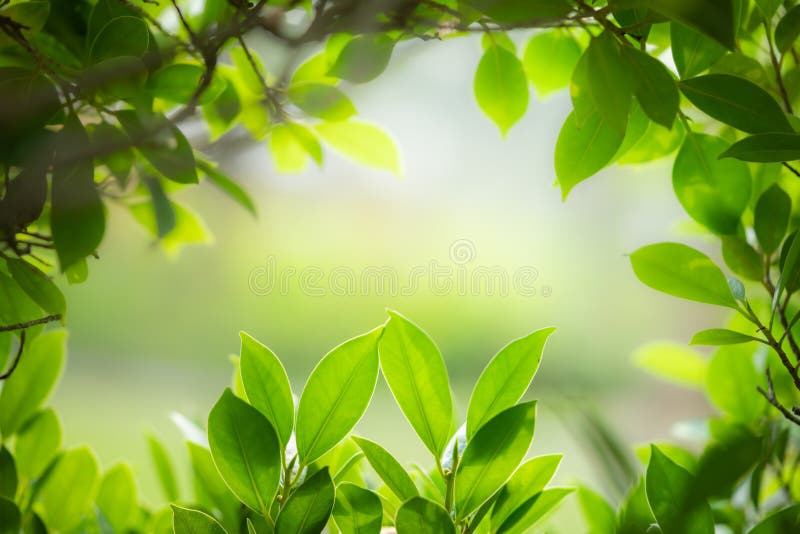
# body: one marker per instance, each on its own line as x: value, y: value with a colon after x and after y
x: 322, y: 100
x: 533, y: 510
x: 421, y: 516
x: 267, y: 386
x: 772, y: 218
x: 363, y: 58
x: 669, y: 492
x: 27, y: 389
x: 221, y: 113
x: 787, y: 30
x: 505, y: 379
x: 336, y: 395
x: 164, y: 469
x: 741, y: 258
x: 69, y: 490
x: 673, y: 362
x: 714, y: 192
x: 210, y: 490
x: 37, y: 285
x: 736, y: 102
x: 230, y: 187
x: 682, y: 272
x: 246, y: 451
x: 388, y: 468
x: 550, y: 57
x: 187, y: 521
x: 693, y: 52
x: 117, y: 499
x: 654, y: 87
x: 37, y: 443
x: 730, y: 372
x: 177, y: 82
x: 582, y: 151
x: 610, y: 81
x: 308, y: 508
x: 528, y: 481
x: 501, y: 87
x: 292, y: 145
x: 720, y: 336
x: 416, y: 374
x: 714, y: 18
x: 600, y: 516
x: 361, y: 142
x: 492, y: 455
x: 357, y: 510
x: 765, y: 148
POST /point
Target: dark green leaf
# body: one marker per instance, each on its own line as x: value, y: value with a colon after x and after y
x: 363, y: 58
x: 682, y: 272
x: 30, y: 15
x: 421, y: 516
x: 9, y: 477
x: 119, y: 162
x: 357, y: 510
x: 714, y: 18
x: 654, y: 87
x: 226, y: 184
x: 511, y: 12
x: 772, y: 218
x: 610, y: 81
x: 38, y: 286
x: 737, y: 102
x: 780, y: 522
x: 765, y: 148
x: 787, y: 30
x: 308, y: 508
x: 121, y: 36
x: 720, y: 336
x: 713, y: 192
x: 501, y: 87
x: 10, y: 518
x: 693, y: 52
x: 186, y: 521
x: 246, y: 451
x: 389, y: 469
x: 178, y: 82
x: 742, y: 259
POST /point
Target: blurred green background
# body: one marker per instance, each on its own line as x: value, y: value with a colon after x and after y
x: 151, y: 333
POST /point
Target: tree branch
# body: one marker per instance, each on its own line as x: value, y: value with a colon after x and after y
x: 28, y: 324
x: 16, y: 358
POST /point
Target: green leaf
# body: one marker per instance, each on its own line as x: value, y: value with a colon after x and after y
x: 164, y: 469
x: 500, y: 38
x: 736, y: 102
x: 246, y: 451
x: 673, y: 362
x: 583, y: 103
x: 77, y: 219
x: 267, y: 386
x: 388, y: 468
x: 528, y: 481
x: 742, y: 259
x: 599, y: 515
x: 501, y: 87
x: 549, y: 59
x: 714, y: 18
x: 768, y: 7
x: 162, y: 144
x: 27, y: 389
x: 505, y: 379
x: 713, y: 192
x: 583, y: 151
x: 512, y: 12
x: 38, y: 286
x: 787, y: 30
x: 322, y: 100
x: 228, y: 186
x: 772, y: 218
x: 177, y: 82
x: 765, y: 148
x: 784, y: 520
x: 336, y: 395
x: 221, y: 113
x: 37, y: 444
x: 654, y: 87
x: 117, y: 498
x: 492, y: 455
x: 669, y: 492
x: 421, y: 516
x: 209, y: 487
x: 121, y: 36
x: 361, y: 142
x: 682, y: 272
x: 186, y: 521
x: 15, y: 305
x: 416, y: 374
x: 610, y: 81
x: 291, y: 145
x: 10, y: 518
x: 30, y: 15
x: 119, y: 162
x: 720, y: 336
x: 692, y: 52
x: 308, y: 508
x: 357, y: 510
x: 363, y: 58
x: 9, y: 479
x: 69, y: 490
x: 730, y: 374
x: 533, y: 511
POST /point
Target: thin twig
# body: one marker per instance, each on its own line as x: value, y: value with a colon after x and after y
x: 773, y: 400
x: 28, y: 324
x: 16, y: 358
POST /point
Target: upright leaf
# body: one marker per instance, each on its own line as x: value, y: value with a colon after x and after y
x: 416, y: 374
x: 714, y: 192
x: 69, y: 490
x: 501, y: 87
x: 772, y: 218
x: 610, y: 81
x: 787, y: 30
x: 116, y: 497
x: 422, y: 516
x: 246, y: 451
x: 683, y: 272
x: 730, y: 373
x: 37, y: 444
x: 357, y: 510
x: 308, y: 508
x: 528, y: 481
x: 600, y: 516
x: 163, y: 466
x: 654, y: 87
x: 336, y: 395
x: 492, y: 455
x: 533, y: 510
x: 505, y: 379
x: 389, y: 469
x: 267, y: 386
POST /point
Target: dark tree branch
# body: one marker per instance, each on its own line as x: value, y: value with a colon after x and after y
x: 16, y: 358
x: 28, y: 324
